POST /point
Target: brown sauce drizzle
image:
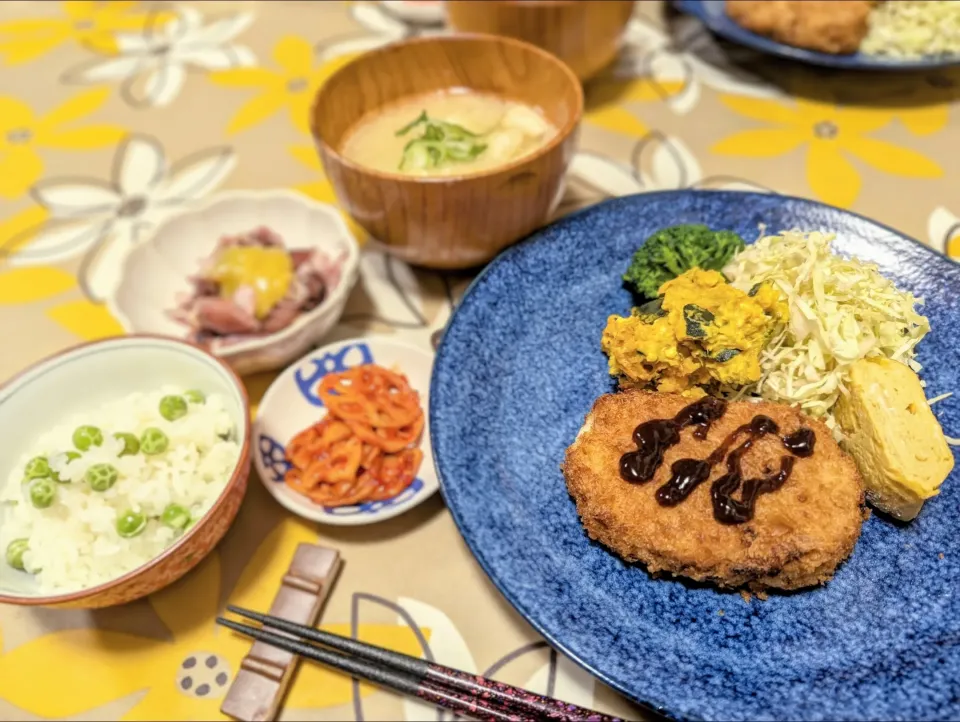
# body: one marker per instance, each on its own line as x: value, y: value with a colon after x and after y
x: 653, y: 438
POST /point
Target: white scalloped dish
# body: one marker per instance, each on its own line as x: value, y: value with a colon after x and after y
x: 157, y: 273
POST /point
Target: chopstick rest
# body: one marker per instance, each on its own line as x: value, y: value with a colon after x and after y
x: 259, y: 686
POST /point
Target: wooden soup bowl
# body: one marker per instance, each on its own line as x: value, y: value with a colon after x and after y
x: 585, y: 34
x: 455, y: 221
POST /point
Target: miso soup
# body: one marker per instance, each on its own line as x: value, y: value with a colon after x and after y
x: 449, y: 133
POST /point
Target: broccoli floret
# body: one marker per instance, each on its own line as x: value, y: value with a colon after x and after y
x: 672, y: 251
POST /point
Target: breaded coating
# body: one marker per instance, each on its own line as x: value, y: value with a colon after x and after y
x: 797, y: 537
x: 829, y: 26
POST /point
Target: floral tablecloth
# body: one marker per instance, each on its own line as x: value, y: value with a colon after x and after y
x: 115, y: 115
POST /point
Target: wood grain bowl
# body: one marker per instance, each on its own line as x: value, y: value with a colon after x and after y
x: 460, y: 221
x: 584, y: 35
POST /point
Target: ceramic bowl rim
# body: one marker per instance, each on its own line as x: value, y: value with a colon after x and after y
x: 325, y: 518
x: 563, y: 134
x: 238, y: 471
x: 349, y: 269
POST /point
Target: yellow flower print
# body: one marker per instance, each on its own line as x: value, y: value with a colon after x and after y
x: 953, y: 246
x: 87, y: 22
x: 293, y: 86
x: 830, y: 134
x: 321, y: 189
x: 185, y: 676
x: 943, y: 229
x: 19, y: 229
x: 88, y: 320
x: 27, y: 285
x: 921, y: 103
x: 22, y: 133
x: 606, y: 98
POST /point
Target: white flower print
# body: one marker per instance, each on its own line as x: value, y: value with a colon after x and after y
x: 446, y: 644
x: 414, y: 304
x: 382, y: 28
x: 609, y: 177
x: 943, y: 230
x: 559, y: 677
x: 691, y: 58
x: 373, y: 17
x: 152, y: 66
x: 658, y: 162
x: 390, y: 21
x: 103, y: 220
x: 562, y: 679
x: 415, y: 13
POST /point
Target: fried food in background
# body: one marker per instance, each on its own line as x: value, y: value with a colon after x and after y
x: 798, y: 536
x: 894, y: 437
x: 700, y: 330
x: 830, y: 26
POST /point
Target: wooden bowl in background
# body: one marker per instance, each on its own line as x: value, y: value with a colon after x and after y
x: 585, y: 34
x: 458, y: 221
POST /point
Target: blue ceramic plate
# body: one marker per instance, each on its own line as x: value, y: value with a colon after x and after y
x: 519, y: 367
x: 712, y: 14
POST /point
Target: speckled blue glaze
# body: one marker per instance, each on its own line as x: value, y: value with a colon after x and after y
x: 712, y: 14
x: 519, y: 367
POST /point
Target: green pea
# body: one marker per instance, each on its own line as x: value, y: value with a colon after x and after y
x: 173, y: 407
x: 15, y: 552
x: 43, y: 492
x: 101, y: 477
x: 195, y: 397
x: 71, y: 455
x: 131, y: 445
x: 175, y: 516
x: 153, y: 441
x: 131, y: 523
x: 37, y: 468
x: 86, y: 436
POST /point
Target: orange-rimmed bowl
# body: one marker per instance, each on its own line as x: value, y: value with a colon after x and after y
x: 86, y: 376
x: 453, y: 221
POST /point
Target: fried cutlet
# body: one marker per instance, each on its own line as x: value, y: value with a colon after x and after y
x: 829, y: 26
x: 796, y: 538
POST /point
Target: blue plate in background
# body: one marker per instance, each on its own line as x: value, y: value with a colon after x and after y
x: 713, y: 15
x: 519, y: 367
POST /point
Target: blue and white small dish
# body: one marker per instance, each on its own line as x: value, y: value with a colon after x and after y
x: 291, y: 405
x: 712, y: 13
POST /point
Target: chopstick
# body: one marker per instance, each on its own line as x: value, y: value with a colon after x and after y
x: 471, y: 694
x: 381, y: 676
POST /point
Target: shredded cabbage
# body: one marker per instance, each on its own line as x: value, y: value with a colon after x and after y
x: 841, y: 311
x: 913, y: 29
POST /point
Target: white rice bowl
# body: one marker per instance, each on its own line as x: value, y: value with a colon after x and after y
x: 74, y: 544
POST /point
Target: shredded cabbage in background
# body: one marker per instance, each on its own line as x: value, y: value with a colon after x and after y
x: 840, y: 312
x: 913, y: 29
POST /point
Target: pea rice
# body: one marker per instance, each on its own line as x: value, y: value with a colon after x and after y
x: 86, y: 537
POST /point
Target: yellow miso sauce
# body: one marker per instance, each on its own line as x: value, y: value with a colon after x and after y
x: 447, y: 133
x: 268, y: 271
